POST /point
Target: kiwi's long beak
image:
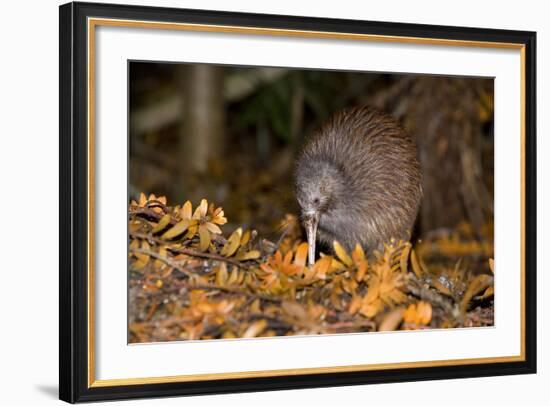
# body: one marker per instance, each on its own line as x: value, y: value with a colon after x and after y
x: 311, y: 220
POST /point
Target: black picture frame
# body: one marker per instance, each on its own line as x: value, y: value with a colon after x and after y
x: 74, y: 200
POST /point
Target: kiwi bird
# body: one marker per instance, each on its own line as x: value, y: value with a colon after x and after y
x: 358, y: 180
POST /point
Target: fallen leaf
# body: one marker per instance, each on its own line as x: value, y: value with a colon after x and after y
x: 391, y: 320
x: 163, y: 222
x: 342, y: 254
x: 177, y: 230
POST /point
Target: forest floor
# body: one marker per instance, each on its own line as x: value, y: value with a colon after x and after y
x: 189, y: 281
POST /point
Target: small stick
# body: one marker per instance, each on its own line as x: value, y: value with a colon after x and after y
x: 416, y: 288
x: 208, y: 255
x: 190, y: 252
x: 176, y: 266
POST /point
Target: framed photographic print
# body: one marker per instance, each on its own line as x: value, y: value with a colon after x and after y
x: 256, y: 202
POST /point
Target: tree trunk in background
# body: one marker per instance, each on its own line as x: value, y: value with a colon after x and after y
x: 446, y: 115
x: 201, y: 140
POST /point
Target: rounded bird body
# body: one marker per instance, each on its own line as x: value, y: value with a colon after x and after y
x: 358, y: 180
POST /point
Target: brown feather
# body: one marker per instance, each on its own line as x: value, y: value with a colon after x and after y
x: 361, y: 173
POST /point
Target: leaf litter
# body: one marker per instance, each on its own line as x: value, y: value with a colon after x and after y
x: 190, y: 281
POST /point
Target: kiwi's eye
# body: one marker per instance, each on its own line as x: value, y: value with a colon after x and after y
x: 316, y: 200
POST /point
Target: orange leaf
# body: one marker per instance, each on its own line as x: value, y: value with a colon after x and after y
x: 301, y: 255
x: 358, y: 254
x: 342, y: 254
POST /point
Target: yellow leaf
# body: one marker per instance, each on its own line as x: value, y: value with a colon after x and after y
x: 214, y: 229
x: 244, y: 256
x: 245, y: 238
x: 492, y: 265
x: 164, y: 221
x: 142, y: 199
x: 219, y: 219
x: 139, y: 264
x: 185, y: 211
x: 221, y: 275
x: 193, y: 228
x: 163, y: 253
x: 361, y: 262
x: 177, y: 230
x: 144, y: 258
x: 232, y: 243
x: 204, y: 238
x: 335, y: 265
x: 201, y: 210
x: 233, y: 277
x: 342, y: 254
x: 229, y: 334
x: 255, y: 306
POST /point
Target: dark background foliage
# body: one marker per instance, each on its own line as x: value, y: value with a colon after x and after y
x: 230, y: 134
